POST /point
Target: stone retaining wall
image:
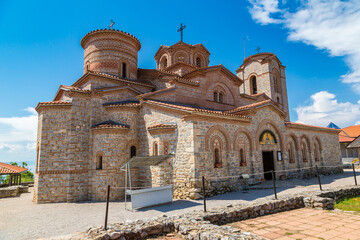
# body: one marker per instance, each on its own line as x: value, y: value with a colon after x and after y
x: 13, y: 191
x: 201, y: 225
x: 327, y: 199
x: 198, y: 224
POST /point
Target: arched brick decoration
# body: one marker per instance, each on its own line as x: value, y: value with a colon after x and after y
x: 211, y: 85
x: 248, y: 135
x: 260, y: 130
x: 316, y: 138
x: 307, y: 140
x: 292, y: 136
x: 223, y: 131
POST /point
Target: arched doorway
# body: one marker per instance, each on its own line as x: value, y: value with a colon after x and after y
x: 268, y: 143
x: 268, y: 164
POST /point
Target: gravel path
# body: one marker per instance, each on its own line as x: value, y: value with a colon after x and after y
x: 20, y: 218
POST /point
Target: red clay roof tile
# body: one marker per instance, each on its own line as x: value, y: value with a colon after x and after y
x: 10, y: 169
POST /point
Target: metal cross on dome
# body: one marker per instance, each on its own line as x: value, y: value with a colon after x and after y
x: 111, y: 24
x: 181, y: 29
x: 258, y: 49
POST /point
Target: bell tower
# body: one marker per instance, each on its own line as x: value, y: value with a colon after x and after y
x: 264, y: 73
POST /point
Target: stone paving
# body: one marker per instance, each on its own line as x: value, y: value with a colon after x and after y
x: 49, y: 220
x: 304, y: 224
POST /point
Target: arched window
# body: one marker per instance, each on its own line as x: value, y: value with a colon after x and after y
x: 215, y: 97
x: 277, y: 85
x: 304, y: 152
x: 164, y: 63
x: 155, y: 149
x: 316, y: 151
x: 217, y: 161
x: 278, y: 100
x: 132, y: 151
x: 99, y: 162
x: 124, y: 70
x: 253, y: 85
x: 242, y: 157
x: 221, y: 97
x: 291, y: 153
x: 198, y: 62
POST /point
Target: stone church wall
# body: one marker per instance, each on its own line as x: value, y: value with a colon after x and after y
x: 180, y: 142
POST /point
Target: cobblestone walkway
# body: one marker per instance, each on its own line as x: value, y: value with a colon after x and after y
x: 304, y: 224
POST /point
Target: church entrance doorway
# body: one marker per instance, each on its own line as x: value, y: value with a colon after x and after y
x: 268, y: 163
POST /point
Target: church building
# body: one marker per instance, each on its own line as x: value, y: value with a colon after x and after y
x: 216, y: 123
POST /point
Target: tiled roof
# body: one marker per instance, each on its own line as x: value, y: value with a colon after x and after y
x: 122, y: 103
x: 10, y: 169
x: 355, y: 143
x: 352, y: 131
x: 162, y: 126
x: 310, y: 126
x: 249, y: 106
x: 53, y: 103
x: 345, y: 139
x: 113, y: 77
x: 192, y: 108
x: 72, y: 88
x: 181, y: 63
x: 110, y: 124
x: 109, y: 31
x: 145, y: 95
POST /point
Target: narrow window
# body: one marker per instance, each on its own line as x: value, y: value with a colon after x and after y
x: 221, y: 97
x: 278, y: 100
x: 316, y: 149
x: 303, y: 151
x: 217, y: 162
x: 254, y: 85
x: 198, y: 62
x: 99, y: 162
x: 242, y: 157
x: 165, y: 63
x: 156, y: 149
x: 215, y: 96
x: 124, y: 70
x: 291, y: 153
x: 132, y: 151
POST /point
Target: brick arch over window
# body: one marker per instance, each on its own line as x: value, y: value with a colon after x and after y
x: 305, y: 141
x: 217, y: 150
x: 317, y: 139
x: 182, y: 56
x: 99, y: 160
x: 260, y: 130
x: 317, y: 148
x: 224, y: 132
x: 293, y: 137
x: 277, y: 81
x: 247, y: 134
x: 198, y: 56
x: 211, y: 87
x: 164, y: 62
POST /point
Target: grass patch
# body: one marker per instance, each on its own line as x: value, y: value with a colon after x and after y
x: 349, y: 204
x: 289, y: 233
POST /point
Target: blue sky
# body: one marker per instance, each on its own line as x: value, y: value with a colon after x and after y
x: 317, y: 41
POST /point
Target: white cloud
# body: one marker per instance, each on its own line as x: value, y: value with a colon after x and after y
x: 325, y: 108
x: 262, y: 10
x: 18, y: 133
x: 331, y: 25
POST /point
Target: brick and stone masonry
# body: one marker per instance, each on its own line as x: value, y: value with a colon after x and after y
x: 216, y: 123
